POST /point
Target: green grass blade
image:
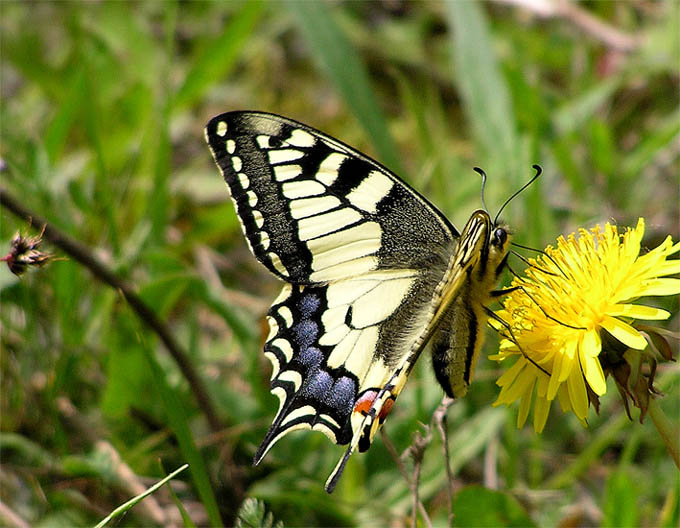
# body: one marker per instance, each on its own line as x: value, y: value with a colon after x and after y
x: 129, y: 504
x: 218, y: 57
x: 486, y: 98
x: 178, y: 421
x: 341, y: 62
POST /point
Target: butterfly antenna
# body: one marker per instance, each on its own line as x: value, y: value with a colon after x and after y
x: 483, y: 175
x: 512, y: 338
x: 538, y: 170
x: 546, y: 314
x: 531, y: 265
x: 540, y: 251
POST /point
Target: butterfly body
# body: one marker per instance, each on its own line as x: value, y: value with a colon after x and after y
x: 372, y: 272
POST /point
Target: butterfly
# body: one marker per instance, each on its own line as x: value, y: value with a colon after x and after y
x: 372, y: 273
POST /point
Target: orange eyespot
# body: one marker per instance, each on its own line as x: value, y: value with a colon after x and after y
x: 365, y: 402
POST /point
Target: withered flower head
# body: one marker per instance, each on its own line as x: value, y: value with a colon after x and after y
x: 24, y: 252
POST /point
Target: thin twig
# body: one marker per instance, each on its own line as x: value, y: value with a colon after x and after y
x: 439, y: 418
x: 608, y: 35
x: 401, y: 467
x: 395, y: 456
x: 84, y: 255
x: 417, y: 452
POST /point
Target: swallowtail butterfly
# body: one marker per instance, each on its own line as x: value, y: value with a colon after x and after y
x: 372, y: 272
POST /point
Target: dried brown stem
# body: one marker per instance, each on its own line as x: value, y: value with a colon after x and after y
x: 592, y: 26
x: 439, y: 418
x: 85, y: 256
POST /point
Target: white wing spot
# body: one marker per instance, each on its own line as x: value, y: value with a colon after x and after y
x: 370, y: 191
x: 274, y: 361
x: 259, y: 219
x: 311, y: 206
x: 243, y: 178
x: 284, y: 155
x: 231, y: 146
x: 284, y: 346
x: 264, y: 240
x: 252, y: 198
x: 287, y: 315
x: 328, y: 170
x: 236, y: 163
x: 307, y: 410
x: 278, y: 265
x: 329, y: 419
x: 301, y: 138
x: 302, y: 189
x: 273, y: 327
x: 287, y: 172
x: 263, y: 141
x: 321, y: 224
x: 379, y: 303
x: 221, y: 128
x: 293, y: 376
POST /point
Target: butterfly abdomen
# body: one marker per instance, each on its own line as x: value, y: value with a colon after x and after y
x: 458, y: 337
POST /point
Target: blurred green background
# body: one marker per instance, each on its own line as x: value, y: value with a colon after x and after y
x: 102, y: 113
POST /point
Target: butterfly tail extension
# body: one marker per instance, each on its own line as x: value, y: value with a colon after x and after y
x: 370, y: 412
x: 362, y: 438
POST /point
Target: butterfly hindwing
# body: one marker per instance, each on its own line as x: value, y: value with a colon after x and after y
x: 335, y: 347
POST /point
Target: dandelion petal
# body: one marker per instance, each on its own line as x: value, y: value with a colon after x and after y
x: 593, y: 373
x: 670, y: 267
x: 541, y: 410
x: 590, y: 343
x: 524, y: 406
x: 577, y: 394
x: 660, y: 286
x: 624, y: 333
x: 637, y: 311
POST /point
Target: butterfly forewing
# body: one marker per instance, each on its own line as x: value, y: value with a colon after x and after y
x: 314, y: 210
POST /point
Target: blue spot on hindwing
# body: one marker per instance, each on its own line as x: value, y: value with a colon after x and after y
x: 310, y: 357
x: 308, y: 305
x: 305, y: 332
x: 317, y: 384
x: 341, y: 395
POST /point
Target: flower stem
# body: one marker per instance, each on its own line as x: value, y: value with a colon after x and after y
x: 669, y: 431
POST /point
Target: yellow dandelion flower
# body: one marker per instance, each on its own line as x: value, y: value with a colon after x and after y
x: 553, y: 322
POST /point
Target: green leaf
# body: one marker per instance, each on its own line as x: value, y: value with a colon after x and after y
x: 478, y: 506
x: 620, y: 505
x: 179, y: 423
x: 218, y: 56
x: 252, y: 514
x: 329, y: 44
x: 127, y: 377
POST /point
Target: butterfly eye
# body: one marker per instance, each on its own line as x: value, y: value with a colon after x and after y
x: 500, y: 236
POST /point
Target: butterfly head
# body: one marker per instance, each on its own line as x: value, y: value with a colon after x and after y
x: 484, y: 245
